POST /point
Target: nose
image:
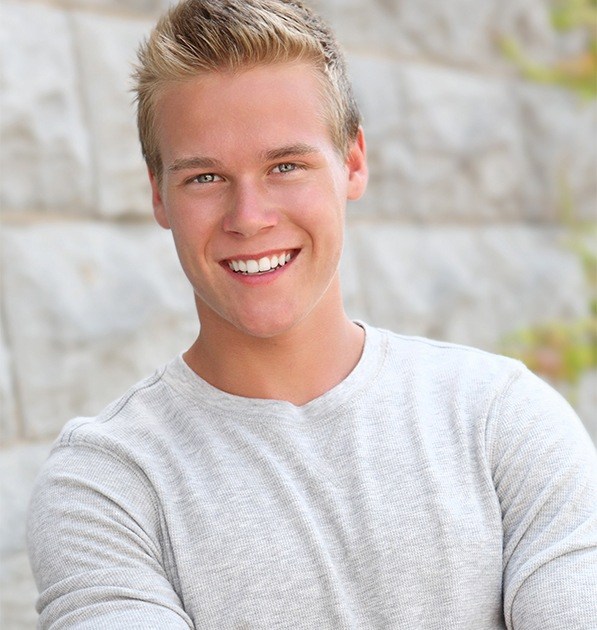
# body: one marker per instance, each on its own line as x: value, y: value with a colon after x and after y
x: 249, y: 211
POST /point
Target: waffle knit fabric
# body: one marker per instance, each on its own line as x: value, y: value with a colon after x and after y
x: 436, y: 487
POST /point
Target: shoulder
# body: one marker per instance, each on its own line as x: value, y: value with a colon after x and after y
x: 445, y: 353
x: 139, y: 406
x: 114, y: 453
x: 457, y: 367
x: 142, y: 426
x: 499, y: 391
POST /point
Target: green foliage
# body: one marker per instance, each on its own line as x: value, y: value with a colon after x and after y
x: 559, y: 351
x: 578, y: 73
x: 571, y: 14
x: 564, y: 350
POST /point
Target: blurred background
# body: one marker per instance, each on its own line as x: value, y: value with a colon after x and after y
x: 479, y: 226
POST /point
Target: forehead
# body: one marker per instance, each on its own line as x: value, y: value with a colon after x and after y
x: 281, y: 102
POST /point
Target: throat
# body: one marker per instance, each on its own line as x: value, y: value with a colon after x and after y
x: 277, y: 369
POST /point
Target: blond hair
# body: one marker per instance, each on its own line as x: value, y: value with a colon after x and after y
x: 198, y: 36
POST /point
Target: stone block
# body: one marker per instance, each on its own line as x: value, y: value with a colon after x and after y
x: 459, y: 32
x: 358, y: 28
x: 379, y: 90
x: 18, y: 594
x: 448, y: 145
x: 19, y: 466
x: 133, y: 6
x: 466, y: 286
x: 8, y: 418
x: 106, y: 47
x: 529, y: 24
x: 45, y: 158
x: 444, y: 144
x: 467, y: 158
x: 350, y: 275
x: 124, y: 8
x: 103, y: 306
x: 558, y: 132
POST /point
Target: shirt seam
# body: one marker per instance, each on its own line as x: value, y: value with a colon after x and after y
x: 122, y: 403
x: 493, y: 412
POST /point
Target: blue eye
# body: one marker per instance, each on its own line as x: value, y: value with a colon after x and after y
x: 286, y: 167
x: 205, y: 178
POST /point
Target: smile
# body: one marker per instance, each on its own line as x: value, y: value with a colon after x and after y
x: 262, y: 265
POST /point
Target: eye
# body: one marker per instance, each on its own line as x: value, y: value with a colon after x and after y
x: 286, y: 167
x: 205, y: 178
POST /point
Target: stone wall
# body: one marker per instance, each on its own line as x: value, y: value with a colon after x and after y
x: 458, y: 238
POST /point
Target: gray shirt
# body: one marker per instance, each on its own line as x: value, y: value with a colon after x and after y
x: 436, y: 487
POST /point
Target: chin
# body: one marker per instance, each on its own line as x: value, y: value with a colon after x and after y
x: 269, y: 324
x: 265, y: 329
x: 256, y: 320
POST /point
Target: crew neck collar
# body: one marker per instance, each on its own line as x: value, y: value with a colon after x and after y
x: 182, y: 378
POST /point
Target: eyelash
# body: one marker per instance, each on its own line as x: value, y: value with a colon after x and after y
x: 292, y: 164
x: 197, y: 178
x: 213, y: 177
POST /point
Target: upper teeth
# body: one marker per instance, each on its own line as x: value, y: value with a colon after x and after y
x: 263, y: 264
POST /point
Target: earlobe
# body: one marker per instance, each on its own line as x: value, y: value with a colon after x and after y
x: 159, y: 212
x: 358, y: 173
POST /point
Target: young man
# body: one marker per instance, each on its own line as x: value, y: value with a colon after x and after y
x: 294, y: 469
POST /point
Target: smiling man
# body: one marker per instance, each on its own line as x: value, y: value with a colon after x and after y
x: 254, y: 189
x: 293, y: 468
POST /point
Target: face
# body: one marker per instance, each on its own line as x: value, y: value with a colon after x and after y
x: 254, y: 192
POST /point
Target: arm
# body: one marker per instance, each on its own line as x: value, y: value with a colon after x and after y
x: 545, y: 473
x: 93, y: 537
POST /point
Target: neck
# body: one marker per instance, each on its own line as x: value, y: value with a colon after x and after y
x: 297, y: 366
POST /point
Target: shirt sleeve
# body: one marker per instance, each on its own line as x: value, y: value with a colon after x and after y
x: 545, y: 473
x: 93, y: 534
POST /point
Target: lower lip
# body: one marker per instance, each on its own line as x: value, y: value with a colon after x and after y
x: 253, y: 279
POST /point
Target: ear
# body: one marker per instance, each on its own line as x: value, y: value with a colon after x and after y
x: 356, y: 161
x: 159, y: 211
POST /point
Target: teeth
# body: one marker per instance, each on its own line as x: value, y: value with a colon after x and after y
x: 260, y: 266
x: 264, y: 264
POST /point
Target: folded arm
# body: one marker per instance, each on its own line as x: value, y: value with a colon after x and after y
x: 94, y: 532
x: 545, y: 473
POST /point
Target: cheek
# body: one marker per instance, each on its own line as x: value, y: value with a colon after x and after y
x: 192, y: 236
x: 322, y: 216
x: 192, y: 221
x: 316, y: 200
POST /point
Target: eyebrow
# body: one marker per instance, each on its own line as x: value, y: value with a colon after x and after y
x: 290, y: 150
x: 181, y: 164
x: 185, y: 163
